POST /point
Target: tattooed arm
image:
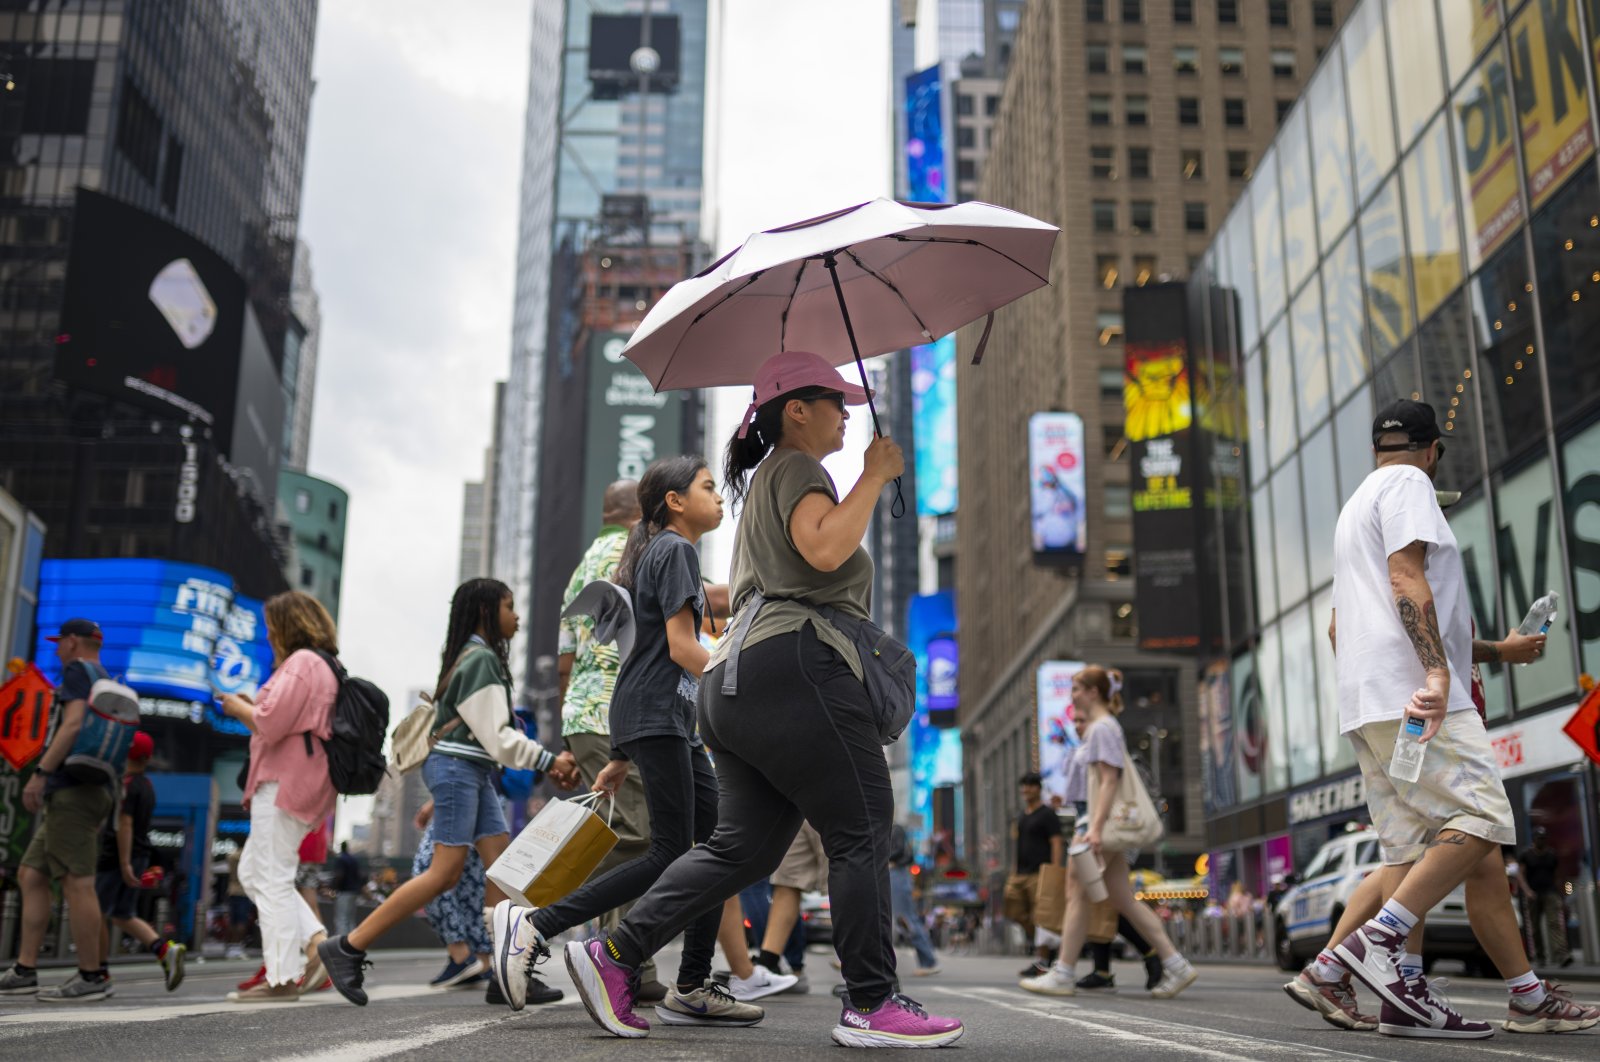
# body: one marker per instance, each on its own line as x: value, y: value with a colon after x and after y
x: 1413, y: 597
x: 1516, y: 649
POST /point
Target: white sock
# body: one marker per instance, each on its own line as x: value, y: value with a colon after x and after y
x: 1327, y: 966
x: 1410, y: 966
x: 1175, y: 962
x: 1066, y: 969
x: 1393, y: 918
x: 1527, y: 991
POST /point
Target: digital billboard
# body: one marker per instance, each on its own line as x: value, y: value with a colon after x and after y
x: 925, y: 169
x: 153, y: 317
x: 1056, y: 487
x: 933, y: 416
x: 172, y: 631
x: 1057, y: 737
x: 934, y: 743
x: 630, y: 424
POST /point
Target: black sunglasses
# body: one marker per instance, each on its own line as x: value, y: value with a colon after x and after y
x: 836, y: 397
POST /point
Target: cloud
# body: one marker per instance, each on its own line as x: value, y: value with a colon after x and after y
x: 411, y: 213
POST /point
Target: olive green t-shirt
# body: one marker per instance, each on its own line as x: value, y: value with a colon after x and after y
x: 765, y: 559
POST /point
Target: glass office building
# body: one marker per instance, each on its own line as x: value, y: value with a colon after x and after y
x: 1426, y: 224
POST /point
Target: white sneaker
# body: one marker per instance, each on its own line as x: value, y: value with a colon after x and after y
x: 1174, y: 981
x: 762, y: 982
x: 516, y: 945
x: 1056, y: 981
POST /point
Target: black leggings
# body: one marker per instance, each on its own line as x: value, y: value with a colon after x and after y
x: 680, y: 792
x: 798, y: 741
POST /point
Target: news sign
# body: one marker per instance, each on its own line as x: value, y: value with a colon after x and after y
x: 173, y: 632
x: 1056, y: 487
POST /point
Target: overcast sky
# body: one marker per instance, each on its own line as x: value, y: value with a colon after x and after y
x: 411, y: 213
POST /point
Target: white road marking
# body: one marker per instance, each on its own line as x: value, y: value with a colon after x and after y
x: 367, y: 1050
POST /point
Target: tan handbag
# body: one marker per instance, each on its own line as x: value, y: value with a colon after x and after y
x: 1102, y: 922
x: 411, y: 742
x: 1133, y: 821
x: 1050, y: 902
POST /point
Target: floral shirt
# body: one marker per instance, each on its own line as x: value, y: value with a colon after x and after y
x: 587, y: 707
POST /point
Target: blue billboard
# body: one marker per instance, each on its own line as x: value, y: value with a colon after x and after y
x: 933, y: 417
x: 173, y: 631
x: 935, y: 751
x: 925, y: 171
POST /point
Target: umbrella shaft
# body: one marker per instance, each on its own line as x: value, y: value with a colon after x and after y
x: 849, y: 329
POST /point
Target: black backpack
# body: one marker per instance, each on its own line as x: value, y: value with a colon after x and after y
x: 360, y: 723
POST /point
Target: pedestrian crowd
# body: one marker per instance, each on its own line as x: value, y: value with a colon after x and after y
x: 687, y: 720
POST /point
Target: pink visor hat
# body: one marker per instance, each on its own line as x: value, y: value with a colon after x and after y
x: 795, y: 370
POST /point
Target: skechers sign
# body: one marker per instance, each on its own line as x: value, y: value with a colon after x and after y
x: 172, y: 631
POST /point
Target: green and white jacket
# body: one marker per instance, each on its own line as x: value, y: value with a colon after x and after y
x: 479, y: 694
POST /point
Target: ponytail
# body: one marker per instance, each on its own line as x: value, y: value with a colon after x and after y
x: 670, y: 475
x: 754, y: 440
x: 1106, y: 681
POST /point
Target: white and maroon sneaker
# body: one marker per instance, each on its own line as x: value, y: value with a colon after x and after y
x: 896, y: 1022
x: 1334, y: 1000
x: 1558, y: 1013
x: 1443, y: 1022
x: 1372, y: 955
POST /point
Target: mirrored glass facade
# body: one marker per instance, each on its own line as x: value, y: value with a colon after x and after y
x: 1427, y: 226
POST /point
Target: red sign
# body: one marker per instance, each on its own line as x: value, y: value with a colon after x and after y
x: 24, y: 716
x: 1584, y: 726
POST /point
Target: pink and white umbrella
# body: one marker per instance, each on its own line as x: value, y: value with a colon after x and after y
x: 862, y: 281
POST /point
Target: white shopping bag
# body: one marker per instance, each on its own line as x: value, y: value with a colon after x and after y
x: 555, y: 853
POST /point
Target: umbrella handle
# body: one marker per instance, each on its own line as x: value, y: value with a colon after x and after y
x: 829, y: 260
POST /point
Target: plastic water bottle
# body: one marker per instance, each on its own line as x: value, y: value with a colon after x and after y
x: 1406, y: 763
x: 1540, y: 615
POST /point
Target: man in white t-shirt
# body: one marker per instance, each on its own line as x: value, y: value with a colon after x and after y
x: 1404, y: 641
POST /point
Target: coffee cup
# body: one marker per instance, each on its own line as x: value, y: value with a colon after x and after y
x: 1087, y: 869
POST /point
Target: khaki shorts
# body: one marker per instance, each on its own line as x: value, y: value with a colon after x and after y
x: 1022, y: 891
x: 66, y: 842
x: 1459, y: 788
x: 805, y: 864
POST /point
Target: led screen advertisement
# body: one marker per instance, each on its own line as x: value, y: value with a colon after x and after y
x: 933, y: 413
x: 173, y: 631
x: 1056, y: 488
x: 925, y: 169
x: 630, y: 424
x: 934, y: 743
x: 1057, y: 737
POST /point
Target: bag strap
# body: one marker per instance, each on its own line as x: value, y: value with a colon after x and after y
x: 593, y: 797
x: 737, y: 630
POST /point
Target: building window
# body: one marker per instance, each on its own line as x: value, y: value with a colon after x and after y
x: 964, y: 104
x: 1228, y: 12
x: 1111, y: 380
x: 1138, y: 110
x: 1142, y: 216
x: 1118, y: 503
x: 966, y: 170
x: 1233, y: 112
x: 1099, y: 109
x: 1144, y: 270
x: 1194, y: 217
x: 1094, y: 10
x: 1111, y: 439
x: 1322, y: 14
x: 1188, y: 110
x: 1283, y: 62
x: 333, y: 510
x: 1133, y: 59
x: 1102, y: 162
x: 1107, y: 269
x: 1239, y: 165
x: 1133, y: 11
x: 139, y: 132
x: 1099, y: 58
x: 1139, y: 163
x: 1284, y: 107
x: 1193, y: 163
x: 1277, y: 12
x: 1186, y: 60
x: 991, y: 105
x: 1105, y: 215
x: 966, y: 137
x: 1108, y: 325
x: 1183, y: 11
x: 172, y: 174
x: 308, y: 578
x: 1230, y: 61
x: 302, y: 501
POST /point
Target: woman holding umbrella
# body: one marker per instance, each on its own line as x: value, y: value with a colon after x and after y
x: 797, y: 738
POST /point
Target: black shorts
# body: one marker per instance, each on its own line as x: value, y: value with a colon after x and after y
x: 118, y: 899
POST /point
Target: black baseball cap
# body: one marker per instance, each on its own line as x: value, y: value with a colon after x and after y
x: 1415, y: 419
x: 83, y: 628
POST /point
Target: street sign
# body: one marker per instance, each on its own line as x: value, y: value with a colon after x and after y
x: 24, y: 716
x: 1584, y: 726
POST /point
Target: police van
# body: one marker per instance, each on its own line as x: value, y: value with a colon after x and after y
x: 1306, y: 914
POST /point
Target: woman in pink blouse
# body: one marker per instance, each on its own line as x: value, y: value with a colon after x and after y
x: 287, y: 791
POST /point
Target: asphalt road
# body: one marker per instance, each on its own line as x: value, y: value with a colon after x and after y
x: 1233, y: 1014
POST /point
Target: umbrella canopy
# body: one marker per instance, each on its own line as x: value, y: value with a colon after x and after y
x: 866, y: 280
